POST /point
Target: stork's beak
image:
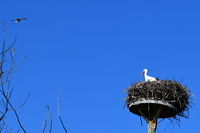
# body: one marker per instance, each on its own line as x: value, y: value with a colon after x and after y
x: 141, y: 73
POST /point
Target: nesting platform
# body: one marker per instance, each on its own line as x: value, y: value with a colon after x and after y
x: 172, y: 97
x: 147, y: 106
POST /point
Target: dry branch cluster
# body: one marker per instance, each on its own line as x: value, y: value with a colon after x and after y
x: 7, y: 66
x: 163, y: 90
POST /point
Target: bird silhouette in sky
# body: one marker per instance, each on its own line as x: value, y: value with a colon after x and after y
x: 18, y: 19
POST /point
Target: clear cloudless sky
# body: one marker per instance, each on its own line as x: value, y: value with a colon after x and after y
x: 96, y: 48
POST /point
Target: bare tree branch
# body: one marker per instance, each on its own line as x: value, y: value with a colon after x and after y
x: 51, y: 120
x: 7, y: 100
x: 7, y: 64
x: 45, y: 121
x: 58, y: 109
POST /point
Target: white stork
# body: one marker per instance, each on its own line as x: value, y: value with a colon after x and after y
x: 146, y: 77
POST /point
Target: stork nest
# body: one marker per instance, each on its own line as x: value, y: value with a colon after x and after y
x: 168, y: 91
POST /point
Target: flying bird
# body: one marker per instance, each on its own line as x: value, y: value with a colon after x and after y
x: 146, y: 77
x: 18, y: 19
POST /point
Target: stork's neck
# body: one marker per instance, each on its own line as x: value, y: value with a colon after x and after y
x: 145, y: 76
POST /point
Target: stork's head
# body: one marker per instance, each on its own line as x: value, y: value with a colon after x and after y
x: 144, y: 71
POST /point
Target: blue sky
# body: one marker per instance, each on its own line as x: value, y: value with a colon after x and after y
x: 96, y: 48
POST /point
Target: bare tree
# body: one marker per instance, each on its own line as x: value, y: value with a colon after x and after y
x: 7, y: 66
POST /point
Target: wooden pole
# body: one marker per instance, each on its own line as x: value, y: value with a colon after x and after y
x: 152, y: 126
x: 152, y: 118
x: 151, y: 122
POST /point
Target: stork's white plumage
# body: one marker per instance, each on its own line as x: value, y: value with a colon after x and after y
x: 146, y: 77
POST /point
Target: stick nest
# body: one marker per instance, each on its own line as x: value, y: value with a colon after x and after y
x: 163, y: 90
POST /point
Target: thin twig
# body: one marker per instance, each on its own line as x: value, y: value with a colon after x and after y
x: 22, y: 103
x: 161, y: 74
x: 50, y: 119
x: 7, y: 100
x: 44, y: 123
x: 58, y: 109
